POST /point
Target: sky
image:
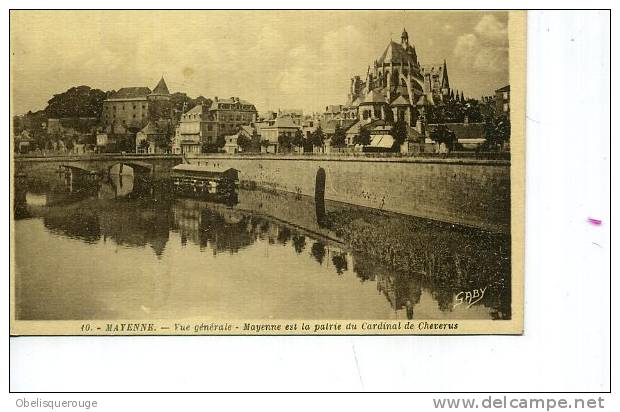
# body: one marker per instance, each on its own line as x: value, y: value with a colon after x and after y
x: 274, y: 59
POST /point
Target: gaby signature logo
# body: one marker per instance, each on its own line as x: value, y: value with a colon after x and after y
x: 470, y: 297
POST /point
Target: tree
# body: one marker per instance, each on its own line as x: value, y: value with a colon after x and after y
x: 399, y: 133
x: 339, y: 139
x: 80, y: 101
x: 163, y: 140
x: 244, y: 142
x: 284, y: 142
x: 214, y: 147
x: 298, y: 138
x: 318, y: 137
x: 442, y: 134
x: 496, y: 131
x: 69, y: 144
x: 127, y: 143
x: 363, y: 138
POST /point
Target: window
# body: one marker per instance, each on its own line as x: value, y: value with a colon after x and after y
x: 134, y: 116
x: 505, y: 95
x: 134, y: 107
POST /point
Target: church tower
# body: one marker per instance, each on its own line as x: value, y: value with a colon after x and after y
x: 404, y: 39
x: 445, y: 82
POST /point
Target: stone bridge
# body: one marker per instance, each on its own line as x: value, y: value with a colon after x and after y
x: 158, y: 166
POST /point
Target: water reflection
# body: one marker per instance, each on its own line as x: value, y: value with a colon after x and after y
x: 250, y: 255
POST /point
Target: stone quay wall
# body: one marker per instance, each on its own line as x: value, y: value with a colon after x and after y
x: 469, y: 192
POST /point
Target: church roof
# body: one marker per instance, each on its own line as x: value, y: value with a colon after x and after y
x: 355, y: 127
x: 374, y: 96
x: 445, y: 82
x: 425, y: 101
x: 131, y: 93
x: 356, y: 102
x: 400, y: 101
x: 396, y: 53
x: 161, y: 88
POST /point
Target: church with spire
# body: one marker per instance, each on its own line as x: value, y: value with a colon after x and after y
x: 396, y: 86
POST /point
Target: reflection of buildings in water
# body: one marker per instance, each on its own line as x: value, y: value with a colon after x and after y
x: 340, y: 262
x: 82, y: 224
x: 299, y: 243
x: 398, y: 288
x: 318, y: 251
x: 336, y: 256
x: 20, y: 204
x: 223, y: 229
x: 136, y: 226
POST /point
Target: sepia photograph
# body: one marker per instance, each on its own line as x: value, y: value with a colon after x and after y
x: 267, y: 172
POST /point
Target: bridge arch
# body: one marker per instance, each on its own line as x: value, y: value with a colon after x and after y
x: 131, y: 167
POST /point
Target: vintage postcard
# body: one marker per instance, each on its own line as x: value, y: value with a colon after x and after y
x: 267, y: 172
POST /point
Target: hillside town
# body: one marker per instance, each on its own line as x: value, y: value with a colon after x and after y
x: 398, y: 106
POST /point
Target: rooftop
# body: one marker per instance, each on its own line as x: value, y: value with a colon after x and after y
x: 161, y: 88
x: 131, y: 93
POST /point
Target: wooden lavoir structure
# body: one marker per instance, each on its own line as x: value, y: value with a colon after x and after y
x: 204, y: 180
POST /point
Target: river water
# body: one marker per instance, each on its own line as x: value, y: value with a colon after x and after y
x: 127, y: 249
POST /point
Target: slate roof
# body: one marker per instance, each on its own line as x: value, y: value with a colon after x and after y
x: 232, y: 101
x: 374, y: 96
x: 150, y: 129
x: 395, y: 53
x: 400, y: 101
x: 503, y: 89
x: 131, y: 93
x: 195, y: 110
x: 161, y: 88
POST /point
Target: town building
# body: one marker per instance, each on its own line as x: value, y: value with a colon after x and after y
x: 296, y: 115
x: 502, y: 101
x: 23, y: 142
x: 230, y: 114
x: 333, y: 112
x: 270, y: 135
x: 230, y: 143
x: 197, y: 126
x: 131, y: 108
x: 152, y: 139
